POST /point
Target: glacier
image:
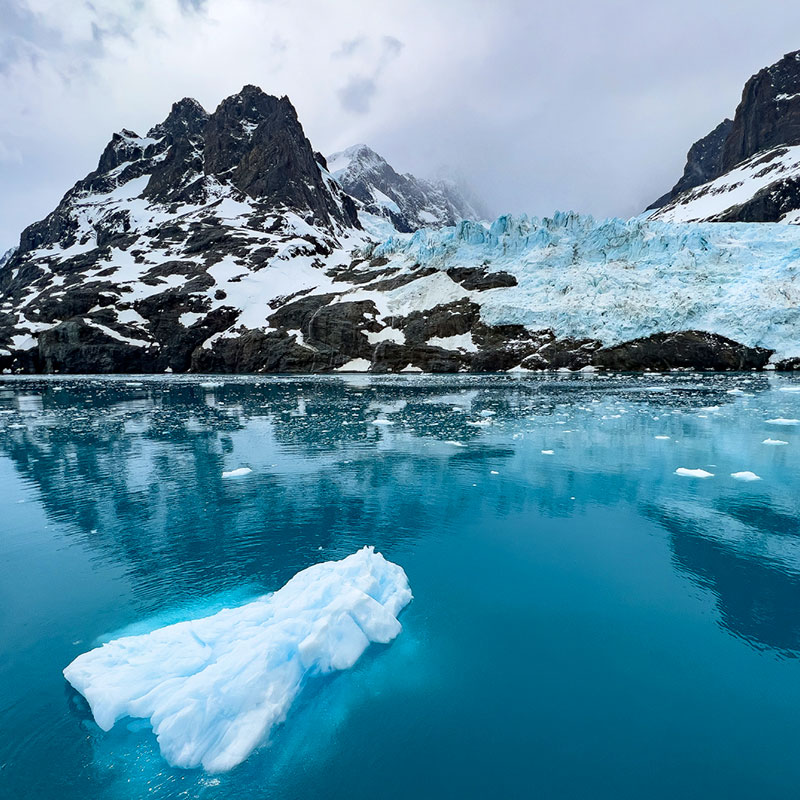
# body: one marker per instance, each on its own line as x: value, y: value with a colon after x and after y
x: 616, y: 280
x: 214, y: 687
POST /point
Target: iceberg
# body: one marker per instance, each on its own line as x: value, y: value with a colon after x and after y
x: 213, y: 688
x: 237, y: 473
x: 693, y: 473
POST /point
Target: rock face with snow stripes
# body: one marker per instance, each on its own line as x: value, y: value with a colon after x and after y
x: 747, y: 169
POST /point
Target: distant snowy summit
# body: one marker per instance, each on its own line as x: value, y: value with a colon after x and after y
x: 747, y: 169
x: 409, y: 203
x: 221, y: 242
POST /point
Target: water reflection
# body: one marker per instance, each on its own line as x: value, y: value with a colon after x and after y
x: 133, y: 469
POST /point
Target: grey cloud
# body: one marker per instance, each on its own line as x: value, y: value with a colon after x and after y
x: 392, y: 46
x: 349, y: 47
x: 193, y: 5
x: 357, y: 94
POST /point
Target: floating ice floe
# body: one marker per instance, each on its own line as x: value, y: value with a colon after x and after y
x: 547, y: 452
x: 789, y: 389
x: 662, y: 437
x: 774, y: 441
x: 213, y: 688
x: 745, y: 476
x: 693, y: 473
x: 783, y: 421
x: 237, y: 473
x: 383, y: 422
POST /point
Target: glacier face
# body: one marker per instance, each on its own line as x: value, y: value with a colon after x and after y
x: 214, y: 687
x: 617, y: 280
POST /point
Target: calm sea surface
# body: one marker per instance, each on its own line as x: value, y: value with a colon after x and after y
x: 586, y: 623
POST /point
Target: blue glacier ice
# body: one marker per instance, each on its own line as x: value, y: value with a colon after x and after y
x: 214, y: 687
x: 617, y: 280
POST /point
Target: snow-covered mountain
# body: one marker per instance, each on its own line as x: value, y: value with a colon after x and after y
x: 747, y: 169
x: 409, y: 203
x: 221, y: 243
x: 6, y: 257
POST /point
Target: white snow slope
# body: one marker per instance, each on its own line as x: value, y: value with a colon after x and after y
x: 735, y: 187
x: 214, y: 687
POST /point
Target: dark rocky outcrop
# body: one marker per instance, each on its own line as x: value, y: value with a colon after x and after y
x: 75, y: 347
x: 768, y: 114
x: 703, y: 163
x: 480, y: 278
x: 682, y: 350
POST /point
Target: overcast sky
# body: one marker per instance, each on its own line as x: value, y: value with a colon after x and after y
x: 577, y: 104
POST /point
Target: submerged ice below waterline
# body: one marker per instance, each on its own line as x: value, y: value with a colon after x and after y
x: 214, y: 687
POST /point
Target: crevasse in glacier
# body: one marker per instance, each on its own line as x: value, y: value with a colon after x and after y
x: 214, y: 687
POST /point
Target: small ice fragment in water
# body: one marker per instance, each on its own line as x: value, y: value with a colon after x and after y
x: 745, y: 476
x: 693, y: 473
x: 487, y: 413
x: 495, y: 472
x: 383, y: 422
x: 237, y: 473
x: 454, y: 443
x: 662, y: 437
x: 213, y: 688
x: 547, y: 452
x: 783, y: 421
x: 774, y: 441
x: 789, y: 389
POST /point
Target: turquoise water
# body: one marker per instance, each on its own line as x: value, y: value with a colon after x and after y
x: 586, y: 623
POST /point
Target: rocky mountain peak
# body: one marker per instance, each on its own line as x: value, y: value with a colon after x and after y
x: 409, y: 203
x: 768, y: 114
x: 253, y: 143
x: 186, y: 118
x: 256, y: 141
x: 747, y: 169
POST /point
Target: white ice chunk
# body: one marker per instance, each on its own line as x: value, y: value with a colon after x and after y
x: 693, y: 473
x: 237, y: 473
x: 774, y: 441
x: 355, y: 365
x: 213, y: 688
x: 783, y: 421
x: 745, y: 476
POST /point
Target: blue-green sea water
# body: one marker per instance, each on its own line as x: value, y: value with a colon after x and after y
x: 586, y: 623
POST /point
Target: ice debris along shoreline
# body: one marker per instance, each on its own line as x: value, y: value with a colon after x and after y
x: 214, y: 687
